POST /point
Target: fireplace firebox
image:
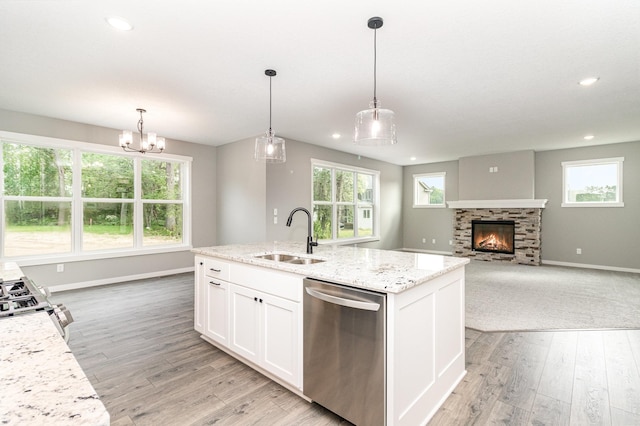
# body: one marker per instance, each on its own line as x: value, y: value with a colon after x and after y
x: 495, y: 236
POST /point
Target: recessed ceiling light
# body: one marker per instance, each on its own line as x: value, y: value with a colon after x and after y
x: 336, y: 135
x: 589, y: 137
x: 413, y: 158
x: 119, y: 23
x: 589, y: 81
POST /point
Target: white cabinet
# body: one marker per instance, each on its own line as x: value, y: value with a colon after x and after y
x: 217, y: 310
x: 211, y: 309
x: 264, y: 330
x: 252, y: 312
x: 200, y: 298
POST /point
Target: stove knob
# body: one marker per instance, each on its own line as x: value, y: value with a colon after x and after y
x: 63, y: 314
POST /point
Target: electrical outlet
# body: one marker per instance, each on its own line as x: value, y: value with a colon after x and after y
x: 433, y: 241
x: 60, y: 267
x: 275, y: 212
x: 578, y: 251
x: 424, y: 240
x: 275, y: 220
x: 450, y: 242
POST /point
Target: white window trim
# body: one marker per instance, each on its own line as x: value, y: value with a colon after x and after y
x: 375, y: 206
x: 415, y: 195
x: 567, y: 164
x: 77, y: 147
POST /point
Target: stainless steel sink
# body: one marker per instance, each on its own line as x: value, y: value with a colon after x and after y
x: 289, y: 258
x: 305, y: 260
x: 278, y: 257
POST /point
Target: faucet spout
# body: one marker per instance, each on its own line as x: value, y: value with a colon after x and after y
x: 310, y: 242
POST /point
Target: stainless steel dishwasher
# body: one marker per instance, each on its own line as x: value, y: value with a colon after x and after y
x: 344, y: 350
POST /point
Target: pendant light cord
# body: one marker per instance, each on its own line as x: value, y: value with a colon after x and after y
x: 270, y: 106
x: 375, y: 100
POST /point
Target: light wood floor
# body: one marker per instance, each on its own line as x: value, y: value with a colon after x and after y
x: 136, y: 343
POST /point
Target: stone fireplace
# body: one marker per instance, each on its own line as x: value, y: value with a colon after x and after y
x: 492, y: 240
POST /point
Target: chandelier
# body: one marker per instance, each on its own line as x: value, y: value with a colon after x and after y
x: 270, y: 148
x: 149, y: 143
x: 375, y: 126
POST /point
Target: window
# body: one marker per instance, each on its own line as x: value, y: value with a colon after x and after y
x: 428, y: 190
x: 345, y: 202
x: 592, y: 183
x: 72, y: 199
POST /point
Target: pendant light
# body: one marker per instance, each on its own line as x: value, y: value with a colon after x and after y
x: 270, y: 148
x: 375, y: 126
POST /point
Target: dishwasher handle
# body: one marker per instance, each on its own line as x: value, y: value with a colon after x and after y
x: 349, y: 303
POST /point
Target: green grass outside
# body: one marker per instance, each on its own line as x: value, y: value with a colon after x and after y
x: 91, y: 229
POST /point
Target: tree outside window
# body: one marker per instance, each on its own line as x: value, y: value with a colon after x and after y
x: 592, y: 183
x: 429, y: 190
x: 344, y: 202
x: 71, y: 200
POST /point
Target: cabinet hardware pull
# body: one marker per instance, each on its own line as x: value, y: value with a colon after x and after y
x: 260, y: 300
x: 201, y: 263
x: 215, y: 270
x: 214, y: 283
x: 255, y: 299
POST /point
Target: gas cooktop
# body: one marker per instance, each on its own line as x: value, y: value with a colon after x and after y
x: 18, y: 296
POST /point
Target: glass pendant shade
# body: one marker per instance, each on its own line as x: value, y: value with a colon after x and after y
x: 270, y: 148
x: 375, y: 126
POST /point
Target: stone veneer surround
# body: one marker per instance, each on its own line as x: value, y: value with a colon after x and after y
x: 527, y: 233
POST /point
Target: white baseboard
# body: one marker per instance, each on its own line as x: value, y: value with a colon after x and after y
x: 115, y: 280
x: 584, y: 265
x: 412, y: 250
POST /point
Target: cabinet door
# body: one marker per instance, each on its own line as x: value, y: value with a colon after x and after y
x: 244, y: 325
x: 280, y: 341
x: 217, y: 313
x: 199, y: 296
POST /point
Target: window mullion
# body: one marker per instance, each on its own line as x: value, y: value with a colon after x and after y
x: 138, y: 217
x: 77, y: 205
x: 334, y: 206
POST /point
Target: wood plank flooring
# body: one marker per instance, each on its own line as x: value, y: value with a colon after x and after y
x: 136, y: 343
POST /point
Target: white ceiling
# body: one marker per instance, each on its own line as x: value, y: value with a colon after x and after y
x: 464, y: 77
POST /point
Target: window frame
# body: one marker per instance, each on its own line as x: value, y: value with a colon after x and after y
x: 77, y: 201
x: 416, y: 178
x: 567, y: 165
x: 374, y: 205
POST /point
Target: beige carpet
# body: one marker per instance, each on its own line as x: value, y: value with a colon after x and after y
x: 509, y: 297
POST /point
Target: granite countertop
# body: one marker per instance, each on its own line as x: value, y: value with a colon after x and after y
x: 40, y: 380
x: 10, y: 271
x: 379, y: 270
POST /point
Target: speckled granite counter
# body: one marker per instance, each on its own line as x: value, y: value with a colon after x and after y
x: 10, y: 271
x: 40, y: 380
x: 380, y: 270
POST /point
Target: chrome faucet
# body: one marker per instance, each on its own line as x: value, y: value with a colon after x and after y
x: 310, y: 242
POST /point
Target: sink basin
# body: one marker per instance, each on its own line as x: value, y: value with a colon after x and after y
x: 289, y: 258
x: 278, y: 257
x: 305, y: 261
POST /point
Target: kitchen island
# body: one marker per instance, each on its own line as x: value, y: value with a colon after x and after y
x: 250, y: 306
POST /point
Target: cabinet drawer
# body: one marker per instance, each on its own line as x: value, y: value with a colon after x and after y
x: 215, y: 268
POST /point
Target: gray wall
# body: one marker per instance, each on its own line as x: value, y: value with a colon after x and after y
x: 241, y: 194
x: 429, y: 223
x: 607, y: 236
x: 514, y: 179
x: 289, y: 186
x: 203, y: 202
